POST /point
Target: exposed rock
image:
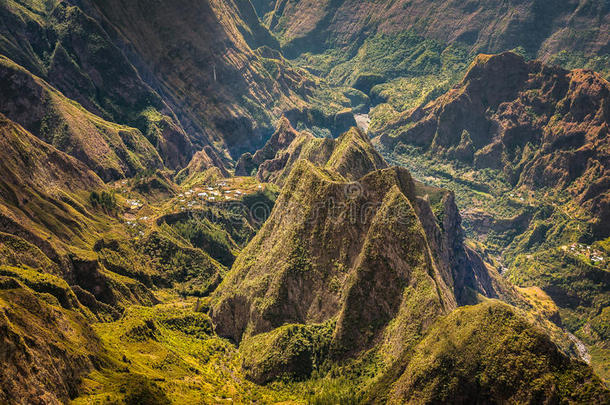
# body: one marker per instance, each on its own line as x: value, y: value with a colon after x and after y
x: 542, y: 126
x: 203, y: 160
x: 541, y: 27
x: 200, y: 57
x: 471, y: 357
x: 281, y: 139
x: 351, y: 155
x: 351, y: 251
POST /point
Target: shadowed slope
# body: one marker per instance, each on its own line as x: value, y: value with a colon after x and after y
x: 113, y: 151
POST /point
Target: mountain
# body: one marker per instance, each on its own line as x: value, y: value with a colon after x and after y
x: 526, y: 144
x: 41, y: 189
x: 48, y: 341
x: 351, y: 154
x: 405, y: 53
x: 467, y: 357
x: 541, y: 126
x: 189, y: 212
x: 66, y: 263
x: 543, y: 28
x: 186, y: 75
x: 364, y: 270
x: 113, y: 151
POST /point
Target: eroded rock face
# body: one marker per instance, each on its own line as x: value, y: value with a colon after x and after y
x: 203, y: 160
x: 358, y: 253
x: 186, y: 75
x: 302, y: 279
x: 281, y: 139
x: 542, y: 126
x: 490, y: 26
x: 46, y: 350
x: 469, y: 357
x: 204, y: 59
x: 351, y: 155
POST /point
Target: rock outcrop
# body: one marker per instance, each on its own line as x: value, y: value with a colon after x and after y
x: 470, y: 357
x: 350, y: 155
x: 355, y: 252
x: 542, y: 126
x: 112, y: 151
x: 281, y: 139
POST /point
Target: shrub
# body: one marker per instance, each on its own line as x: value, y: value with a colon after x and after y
x: 104, y: 200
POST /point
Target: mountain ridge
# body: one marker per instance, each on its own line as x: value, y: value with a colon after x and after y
x: 189, y: 213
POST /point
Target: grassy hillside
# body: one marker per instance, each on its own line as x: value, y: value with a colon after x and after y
x: 519, y: 169
x: 188, y: 213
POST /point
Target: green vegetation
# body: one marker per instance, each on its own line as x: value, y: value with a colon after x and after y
x: 577, y: 60
x: 527, y: 215
x: 34, y: 317
x: 291, y: 353
x: 168, y: 354
x: 336, y: 278
x: 397, y: 71
x: 104, y: 200
x: 388, y: 56
x: 488, y: 352
x: 205, y: 236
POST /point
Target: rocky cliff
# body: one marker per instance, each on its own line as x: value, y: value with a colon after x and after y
x: 541, y: 126
x: 355, y: 253
x: 363, y: 270
x: 543, y: 28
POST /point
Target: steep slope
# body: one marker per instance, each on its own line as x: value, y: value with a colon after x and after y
x: 34, y: 186
x: 405, y: 53
x: 112, y: 151
x: 200, y: 60
x: 281, y: 139
x: 73, y: 53
x: 48, y: 347
x: 49, y: 217
x: 526, y: 147
x: 353, y: 254
x: 540, y: 126
x: 350, y: 155
x: 488, y: 353
x: 67, y: 262
x: 299, y: 291
x: 202, y: 73
x: 358, y: 276
x: 361, y: 272
x: 543, y: 28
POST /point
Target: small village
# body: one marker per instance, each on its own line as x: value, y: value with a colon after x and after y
x: 584, y: 251
x: 226, y: 190
x: 139, y: 215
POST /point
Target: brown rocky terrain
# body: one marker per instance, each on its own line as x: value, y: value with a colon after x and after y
x: 542, y: 27
x: 361, y: 268
x: 330, y: 235
x: 135, y: 267
x: 113, y: 151
x: 541, y: 126
x: 186, y: 75
x: 351, y: 154
x: 281, y: 139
